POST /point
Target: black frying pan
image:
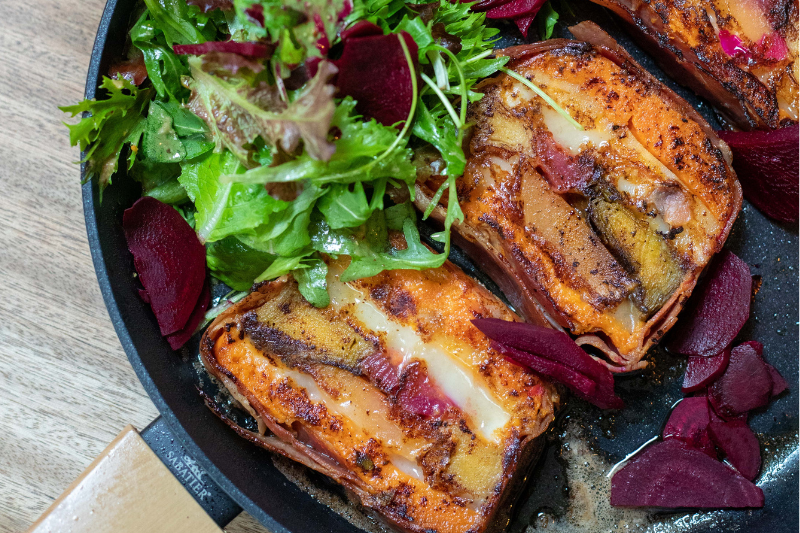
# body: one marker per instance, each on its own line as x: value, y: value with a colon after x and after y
x: 244, y: 475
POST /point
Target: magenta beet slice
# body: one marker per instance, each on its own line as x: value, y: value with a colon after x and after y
x: 179, y: 338
x: 170, y: 260
x: 374, y: 71
x: 363, y: 28
x: 515, y: 9
x: 486, y: 5
x: 701, y: 371
x: 545, y: 342
x: 231, y: 47
x: 581, y: 385
x: 717, y: 311
x: 688, y: 422
x: 778, y: 383
x: 739, y: 444
x: 766, y: 163
x: 673, y: 474
x: 745, y: 385
x: 524, y: 24
x: 419, y: 396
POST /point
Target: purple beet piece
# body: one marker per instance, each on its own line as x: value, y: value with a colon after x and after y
x: 688, y: 422
x: 524, y: 24
x: 179, y: 338
x: 545, y: 342
x: 701, y: 371
x: 766, y: 163
x: 515, y: 9
x: 363, y: 28
x: 745, y: 385
x: 486, y: 5
x: 778, y: 383
x: 717, y: 311
x: 739, y: 444
x: 169, y: 258
x: 673, y: 474
x: 373, y: 70
x: 230, y: 47
x: 581, y: 385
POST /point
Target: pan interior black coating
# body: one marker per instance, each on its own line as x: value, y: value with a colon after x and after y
x: 248, y: 474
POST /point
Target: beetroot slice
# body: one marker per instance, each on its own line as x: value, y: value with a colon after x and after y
x: 701, y: 371
x: 418, y: 395
x: 583, y: 387
x: 717, y: 311
x: 766, y: 163
x: 515, y: 9
x: 739, y: 444
x: 545, y: 342
x: 170, y: 260
x: 230, y: 47
x: 374, y: 71
x: 688, y: 422
x: 745, y: 385
x: 778, y: 383
x: 486, y: 5
x: 179, y: 338
x: 673, y: 474
x: 524, y: 24
x: 362, y: 28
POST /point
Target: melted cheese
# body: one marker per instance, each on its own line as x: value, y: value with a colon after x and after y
x: 454, y: 379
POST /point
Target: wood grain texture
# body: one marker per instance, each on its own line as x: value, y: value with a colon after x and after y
x: 66, y: 388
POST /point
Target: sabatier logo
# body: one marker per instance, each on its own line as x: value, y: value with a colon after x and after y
x: 190, y: 475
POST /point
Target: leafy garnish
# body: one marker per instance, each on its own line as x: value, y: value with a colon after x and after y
x: 237, y: 113
x: 114, y: 122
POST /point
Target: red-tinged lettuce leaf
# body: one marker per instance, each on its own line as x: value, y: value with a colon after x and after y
x: 179, y: 338
x: 236, y: 112
x: 583, y: 386
x: 745, y: 385
x: 133, y: 70
x: 739, y: 444
x: 258, y: 50
x: 766, y: 163
x: 210, y: 5
x: 688, y: 422
x: 224, y: 63
x: 515, y: 9
x: 702, y: 371
x: 545, y: 342
x: 170, y: 260
x: 672, y: 474
x: 374, y: 71
x: 718, y: 309
x: 418, y: 395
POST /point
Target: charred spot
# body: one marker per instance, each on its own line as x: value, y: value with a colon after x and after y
x: 677, y: 141
x: 285, y: 308
x: 267, y: 339
x: 402, y: 304
x: 379, y: 293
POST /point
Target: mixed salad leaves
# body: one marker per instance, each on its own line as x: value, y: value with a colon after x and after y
x: 278, y: 128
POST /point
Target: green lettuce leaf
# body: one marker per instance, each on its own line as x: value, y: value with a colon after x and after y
x: 225, y: 209
x: 312, y: 282
x: 235, y: 263
x: 114, y: 122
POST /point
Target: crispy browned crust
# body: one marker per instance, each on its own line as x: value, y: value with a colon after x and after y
x: 518, y: 457
x: 497, y: 252
x: 740, y: 96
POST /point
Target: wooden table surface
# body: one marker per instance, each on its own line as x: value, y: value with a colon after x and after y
x: 66, y: 388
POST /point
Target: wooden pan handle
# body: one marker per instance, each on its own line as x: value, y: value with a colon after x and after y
x: 127, y: 489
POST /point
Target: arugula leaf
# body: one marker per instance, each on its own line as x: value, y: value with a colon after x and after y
x: 435, y: 127
x: 172, y: 18
x: 114, y: 122
x: 313, y: 284
x: 346, y: 206
x: 235, y: 263
x: 234, y: 112
x: 225, y: 209
x: 546, y: 19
